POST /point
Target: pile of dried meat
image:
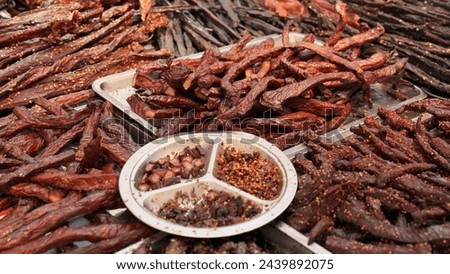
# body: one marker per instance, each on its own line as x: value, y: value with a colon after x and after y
x: 384, y: 189
x: 58, y: 162
x: 418, y: 30
x: 63, y: 48
x: 210, y: 209
x: 278, y: 92
x: 250, y: 243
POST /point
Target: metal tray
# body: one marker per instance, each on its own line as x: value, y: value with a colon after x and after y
x: 145, y: 205
x: 277, y: 234
x: 116, y: 88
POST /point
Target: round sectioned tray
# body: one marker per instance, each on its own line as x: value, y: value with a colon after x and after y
x: 147, y: 205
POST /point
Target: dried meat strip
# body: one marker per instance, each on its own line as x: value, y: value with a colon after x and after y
x: 442, y: 146
x: 275, y: 99
x: 390, y: 153
x: 395, y: 120
x: 374, y: 207
x: 113, y: 149
x: 165, y: 101
x: 19, y: 174
x: 359, y: 39
x: 424, y: 143
x: 46, y: 57
x: 30, y: 143
x: 242, y: 65
x: 91, y: 125
x: 429, y: 215
x: 392, y: 173
x: 86, y: 182
x: 22, y: 207
x: 324, y: 224
x: 15, y: 151
x: 55, y: 146
x: 6, y: 202
x: 440, y: 113
x: 66, y: 235
x: 435, y: 178
x: 246, y: 104
x: 306, y: 217
x: 51, y: 121
x: 391, y: 201
x: 429, y: 193
x: 353, y: 212
x: 48, y: 222
x: 124, y: 239
x: 445, y: 127
x: 344, y: 246
x: 43, y: 193
x: 143, y: 110
x: 6, y: 227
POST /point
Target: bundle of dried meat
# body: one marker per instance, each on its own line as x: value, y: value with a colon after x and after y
x: 384, y: 189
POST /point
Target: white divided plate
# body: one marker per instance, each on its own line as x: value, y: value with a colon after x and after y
x: 145, y: 205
